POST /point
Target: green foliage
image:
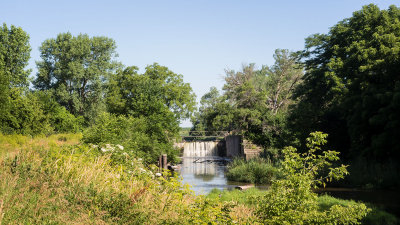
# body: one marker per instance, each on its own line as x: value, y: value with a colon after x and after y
x: 14, y: 56
x: 254, y: 103
x: 130, y: 133
x: 55, y: 182
x: 256, y: 171
x: 291, y: 199
x: 25, y: 115
x: 74, y: 69
x: 159, y: 96
x: 375, y: 217
x: 60, y: 119
x: 351, y: 88
x: 157, y: 100
x: 247, y: 197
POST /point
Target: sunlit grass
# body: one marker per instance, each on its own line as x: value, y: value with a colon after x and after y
x: 57, y: 180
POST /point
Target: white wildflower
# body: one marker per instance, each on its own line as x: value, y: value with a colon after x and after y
x: 120, y: 147
x: 109, y: 147
x: 158, y: 174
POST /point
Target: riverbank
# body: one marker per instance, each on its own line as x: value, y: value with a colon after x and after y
x: 249, y: 197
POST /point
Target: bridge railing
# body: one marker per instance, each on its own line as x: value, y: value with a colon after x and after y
x: 203, y: 133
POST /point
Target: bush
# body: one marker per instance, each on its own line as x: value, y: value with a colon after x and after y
x: 131, y: 133
x: 257, y: 171
x: 24, y: 115
x: 291, y: 199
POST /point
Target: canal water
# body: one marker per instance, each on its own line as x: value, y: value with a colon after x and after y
x: 205, y: 173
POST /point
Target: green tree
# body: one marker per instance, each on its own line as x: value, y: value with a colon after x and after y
x: 16, y: 114
x: 352, y: 82
x: 254, y: 102
x: 159, y: 97
x: 75, y: 68
x: 14, y: 56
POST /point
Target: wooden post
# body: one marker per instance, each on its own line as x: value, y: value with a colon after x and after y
x: 164, y: 161
x: 160, y: 164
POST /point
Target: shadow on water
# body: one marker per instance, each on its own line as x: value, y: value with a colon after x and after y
x: 385, y: 199
x: 207, y: 173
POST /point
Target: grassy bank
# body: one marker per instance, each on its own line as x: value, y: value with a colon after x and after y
x: 256, y: 171
x: 59, y: 180
x: 250, y: 198
x: 56, y: 180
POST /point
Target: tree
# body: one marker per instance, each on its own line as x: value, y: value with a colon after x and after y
x: 282, y: 79
x: 352, y: 82
x: 75, y: 68
x: 159, y: 97
x: 255, y: 102
x: 14, y: 56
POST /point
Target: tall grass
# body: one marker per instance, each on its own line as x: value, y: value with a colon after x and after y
x: 257, y: 171
x: 56, y: 180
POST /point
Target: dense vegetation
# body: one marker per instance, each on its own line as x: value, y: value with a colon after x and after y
x: 58, y: 179
x: 345, y: 83
x: 80, y: 85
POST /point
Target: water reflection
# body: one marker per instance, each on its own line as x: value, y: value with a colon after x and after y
x: 205, y: 174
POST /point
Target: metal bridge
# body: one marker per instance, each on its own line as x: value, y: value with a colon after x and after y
x: 205, y: 134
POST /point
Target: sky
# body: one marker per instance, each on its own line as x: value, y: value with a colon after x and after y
x: 198, y: 39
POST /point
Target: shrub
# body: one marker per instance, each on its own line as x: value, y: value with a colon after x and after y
x: 131, y: 133
x: 257, y: 171
x: 291, y: 199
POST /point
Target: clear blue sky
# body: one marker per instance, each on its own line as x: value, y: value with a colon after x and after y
x: 198, y: 39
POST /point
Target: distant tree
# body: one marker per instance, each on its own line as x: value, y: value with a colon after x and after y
x: 351, y: 88
x: 254, y: 102
x: 281, y: 79
x: 75, y: 68
x: 159, y: 95
x: 14, y: 56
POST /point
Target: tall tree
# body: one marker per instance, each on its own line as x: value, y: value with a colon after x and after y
x: 75, y: 69
x: 14, y: 56
x: 159, y: 95
x: 255, y: 102
x: 351, y: 87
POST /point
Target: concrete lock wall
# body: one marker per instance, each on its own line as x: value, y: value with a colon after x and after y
x: 233, y: 146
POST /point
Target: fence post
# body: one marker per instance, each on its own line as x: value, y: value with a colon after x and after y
x: 164, y: 161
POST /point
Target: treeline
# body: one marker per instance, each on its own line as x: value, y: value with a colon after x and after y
x: 80, y: 86
x: 345, y: 83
